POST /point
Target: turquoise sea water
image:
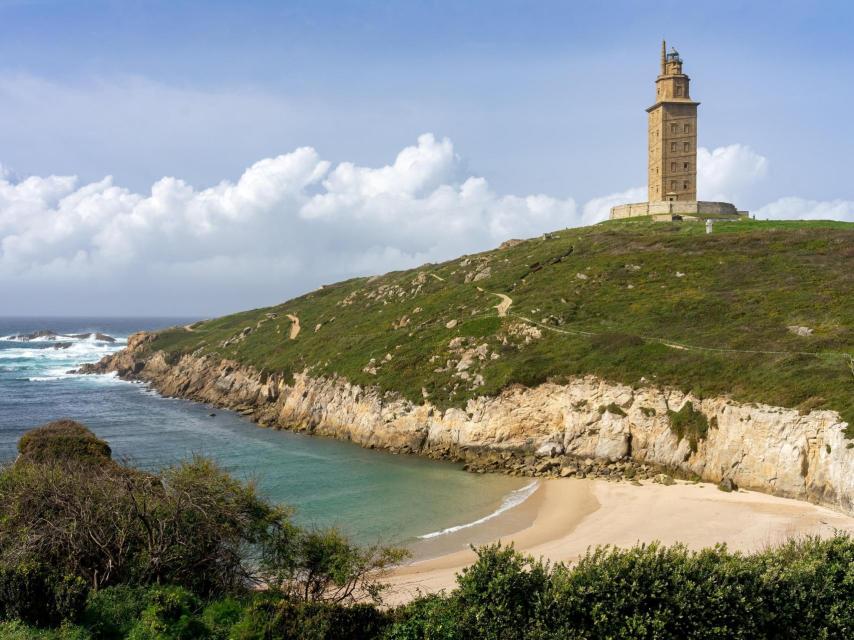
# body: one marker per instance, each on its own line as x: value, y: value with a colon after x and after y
x: 373, y: 496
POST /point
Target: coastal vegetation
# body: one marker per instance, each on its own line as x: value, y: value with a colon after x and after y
x: 91, y: 549
x: 757, y: 311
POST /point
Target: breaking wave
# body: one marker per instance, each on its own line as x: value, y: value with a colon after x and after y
x: 49, y: 360
x: 513, y: 499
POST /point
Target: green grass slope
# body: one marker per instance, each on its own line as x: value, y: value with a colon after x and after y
x: 630, y: 301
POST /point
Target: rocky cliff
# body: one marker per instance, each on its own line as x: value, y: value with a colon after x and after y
x: 766, y: 448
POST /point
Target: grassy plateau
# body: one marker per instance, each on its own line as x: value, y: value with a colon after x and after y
x: 762, y: 311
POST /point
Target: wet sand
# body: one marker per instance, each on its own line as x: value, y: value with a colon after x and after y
x: 563, y: 518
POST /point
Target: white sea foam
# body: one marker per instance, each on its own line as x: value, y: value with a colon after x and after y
x: 41, y: 363
x: 513, y: 499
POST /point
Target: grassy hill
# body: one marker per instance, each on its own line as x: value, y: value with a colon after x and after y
x: 762, y: 311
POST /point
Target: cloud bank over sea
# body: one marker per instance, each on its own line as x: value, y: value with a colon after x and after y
x: 287, y: 225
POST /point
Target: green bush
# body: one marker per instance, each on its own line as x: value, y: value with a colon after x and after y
x: 806, y: 589
x: 651, y: 592
x: 171, y: 614
x: 614, y: 408
x: 190, y: 525
x: 499, y: 594
x: 432, y: 617
x: 324, y: 566
x: 803, y: 589
x: 38, y: 595
x: 689, y: 423
x: 111, y: 613
x: 220, y: 616
x: 272, y: 617
x: 17, y: 630
x: 63, y: 441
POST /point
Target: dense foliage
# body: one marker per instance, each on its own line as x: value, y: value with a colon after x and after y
x: 630, y: 301
x: 318, y: 586
x: 74, y: 521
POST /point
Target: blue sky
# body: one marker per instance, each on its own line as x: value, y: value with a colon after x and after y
x: 535, y: 97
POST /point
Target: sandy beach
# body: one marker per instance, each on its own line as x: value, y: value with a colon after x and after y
x: 563, y: 518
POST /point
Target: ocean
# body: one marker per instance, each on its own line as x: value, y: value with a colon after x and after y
x: 372, y: 496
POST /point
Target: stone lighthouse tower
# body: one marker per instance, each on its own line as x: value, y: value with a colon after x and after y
x: 672, y: 134
x: 672, y: 160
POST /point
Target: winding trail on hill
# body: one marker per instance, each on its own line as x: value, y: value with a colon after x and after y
x: 503, y: 309
x: 688, y: 347
x: 504, y: 306
x: 295, y: 328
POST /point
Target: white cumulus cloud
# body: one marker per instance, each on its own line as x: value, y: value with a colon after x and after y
x: 726, y: 174
x: 286, y: 225
x: 801, y: 208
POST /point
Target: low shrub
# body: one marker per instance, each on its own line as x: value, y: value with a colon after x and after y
x: 39, y: 595
x: 17, y: 630
x: 269, y: 616
x: 111, y: 613
x: 431, y: 617
x: 172, y: 613
x: 63, y: 441
x: 651, y: 592
x: 806, y: 589
x: 613, y: 408
x: 220, y: 616
x: 190, y: 525
x: 689, y: 423
x: 499, y: 594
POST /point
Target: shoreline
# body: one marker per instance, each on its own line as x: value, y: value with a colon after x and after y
x: 583, y: 427
x: 566, y: 517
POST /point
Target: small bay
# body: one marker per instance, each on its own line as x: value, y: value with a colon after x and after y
x: 370, y: 495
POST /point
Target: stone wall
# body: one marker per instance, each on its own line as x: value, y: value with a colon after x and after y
x: 688, y: 209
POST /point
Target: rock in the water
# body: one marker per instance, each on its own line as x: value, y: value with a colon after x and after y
x: 46, y: 334
x: 100, y: 337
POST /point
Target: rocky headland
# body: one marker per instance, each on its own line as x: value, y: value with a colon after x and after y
x: 586, y: 427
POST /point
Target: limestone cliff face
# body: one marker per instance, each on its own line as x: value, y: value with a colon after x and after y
x: 759, y: 447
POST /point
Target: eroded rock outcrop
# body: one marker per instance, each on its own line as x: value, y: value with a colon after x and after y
x: 754, y: 446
